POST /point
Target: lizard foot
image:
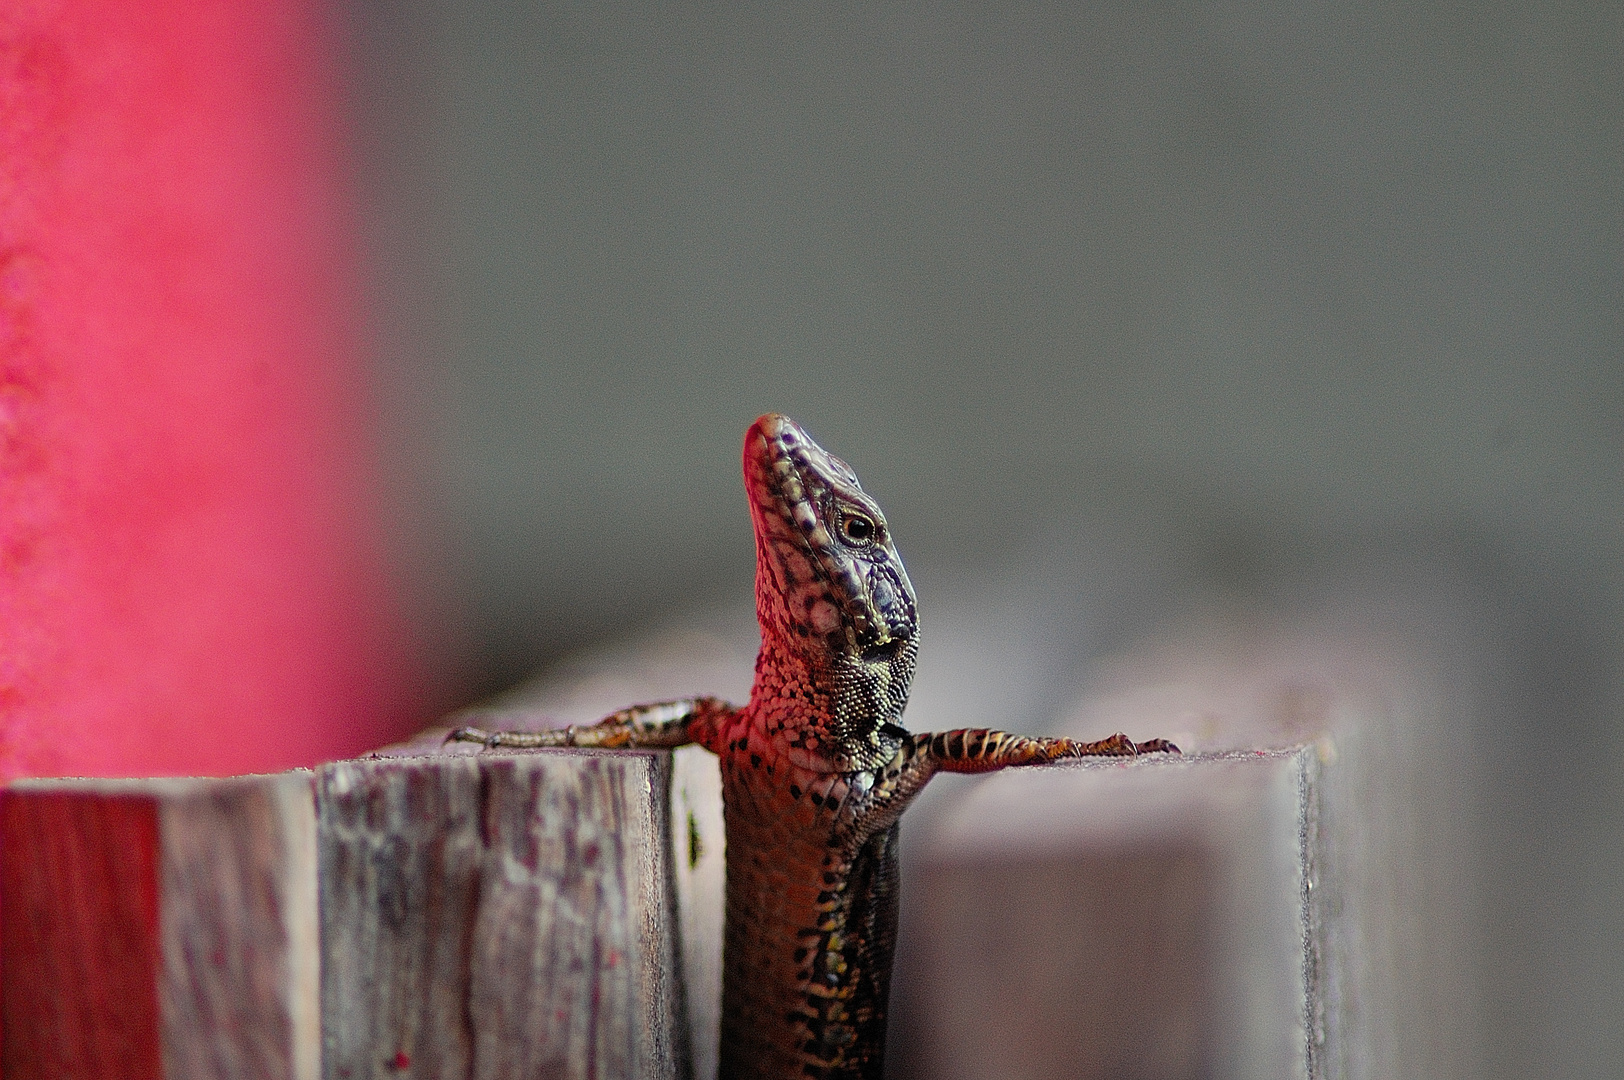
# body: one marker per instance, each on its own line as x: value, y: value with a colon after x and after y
x: 1118, y: 745
x: 524, y: 740
x: 468, y: 734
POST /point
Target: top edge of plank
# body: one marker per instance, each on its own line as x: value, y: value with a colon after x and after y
x: 152, y: 785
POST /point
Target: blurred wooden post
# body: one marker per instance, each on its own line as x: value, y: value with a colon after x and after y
x: 1295, y: 897
x: 1109, y: 919
x: 160, y: 928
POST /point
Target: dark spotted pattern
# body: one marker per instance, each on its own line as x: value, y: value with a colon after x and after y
x: 816, y: 769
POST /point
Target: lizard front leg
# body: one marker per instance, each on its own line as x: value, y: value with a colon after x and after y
x: 973, y: 750
x: 977, y: 750
x: 660, y: 725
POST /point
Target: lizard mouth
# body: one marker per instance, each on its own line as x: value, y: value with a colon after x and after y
x: 884, y: 651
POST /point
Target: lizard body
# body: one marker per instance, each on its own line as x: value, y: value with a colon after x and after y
x: 816, y: 769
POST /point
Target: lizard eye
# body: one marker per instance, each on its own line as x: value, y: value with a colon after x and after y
x: 858, y: 529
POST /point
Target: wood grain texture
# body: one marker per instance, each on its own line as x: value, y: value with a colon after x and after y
x: 80, y: 934
x: 239, y: 991
x: 499, y: 915
x: 161, y: 928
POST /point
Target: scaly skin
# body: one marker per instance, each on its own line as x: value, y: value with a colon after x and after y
x: 816, y: 769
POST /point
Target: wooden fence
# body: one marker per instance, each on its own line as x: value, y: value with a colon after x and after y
x: 461, y: 914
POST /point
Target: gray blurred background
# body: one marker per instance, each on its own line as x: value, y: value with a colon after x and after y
x: 1122, y: 312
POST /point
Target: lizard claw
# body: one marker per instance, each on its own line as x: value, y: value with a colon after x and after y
x: 1118, y: 745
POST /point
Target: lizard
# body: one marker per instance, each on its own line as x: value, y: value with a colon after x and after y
x: 816, y: 769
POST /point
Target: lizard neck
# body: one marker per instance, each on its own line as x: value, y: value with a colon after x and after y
x: 831, y: 712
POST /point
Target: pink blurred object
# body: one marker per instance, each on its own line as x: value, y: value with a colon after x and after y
x: 191, y: 572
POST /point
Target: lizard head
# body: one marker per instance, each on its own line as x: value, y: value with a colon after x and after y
x: 829, y: 582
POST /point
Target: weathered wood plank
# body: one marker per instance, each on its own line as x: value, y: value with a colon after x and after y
x: 699, y: 854
x: 240, y: 992
x: 499, y: 915
x: 80, y: 926
x: 160, y: 928
x: 1109, y: 919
